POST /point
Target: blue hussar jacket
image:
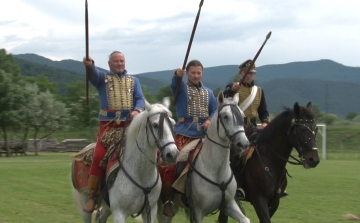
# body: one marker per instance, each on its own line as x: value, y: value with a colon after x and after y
x: 194, y: 105
x: 119, y: 94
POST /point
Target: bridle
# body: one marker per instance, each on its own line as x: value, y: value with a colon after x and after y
x: 163, y: 116
x: 301, y: 123
x: 238, y: 120
x: 146, y: 190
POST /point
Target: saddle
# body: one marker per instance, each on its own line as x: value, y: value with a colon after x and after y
x: 190, y: 151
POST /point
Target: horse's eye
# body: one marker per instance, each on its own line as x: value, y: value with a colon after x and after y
x: 155, y: 125
x: 225, y: 117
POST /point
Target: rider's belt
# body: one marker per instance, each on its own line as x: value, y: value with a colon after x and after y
x: 191, y: 119
x: 112, y: 124
x: 119, y: 114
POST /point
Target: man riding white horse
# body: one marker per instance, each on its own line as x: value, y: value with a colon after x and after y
x: 196, y: 105
x: 120, y: 96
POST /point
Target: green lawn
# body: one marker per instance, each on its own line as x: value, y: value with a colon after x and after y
x: 37, y: 189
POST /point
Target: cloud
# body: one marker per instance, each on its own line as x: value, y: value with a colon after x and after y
x: 154, y: 35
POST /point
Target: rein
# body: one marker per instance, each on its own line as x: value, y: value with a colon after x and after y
x: 223, y: 185
x: 298, y: 122
x: 146, y: 191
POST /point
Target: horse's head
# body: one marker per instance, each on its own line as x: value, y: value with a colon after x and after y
x: 160, y: 127
x: 230, y: 123
x: 302, y: 135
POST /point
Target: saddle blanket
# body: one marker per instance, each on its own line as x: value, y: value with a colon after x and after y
x: 81, y: 166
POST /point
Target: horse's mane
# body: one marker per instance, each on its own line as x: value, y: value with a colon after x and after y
x: 267, y: 133
x: 280, y: 120
x: 140, y: 120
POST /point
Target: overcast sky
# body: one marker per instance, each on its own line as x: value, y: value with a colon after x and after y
x: 154, y: 34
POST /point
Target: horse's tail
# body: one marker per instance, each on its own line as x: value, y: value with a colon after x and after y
x: 350, y: 216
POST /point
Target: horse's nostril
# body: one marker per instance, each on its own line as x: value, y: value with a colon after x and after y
x: 169, y: 155
x: 238, y: 144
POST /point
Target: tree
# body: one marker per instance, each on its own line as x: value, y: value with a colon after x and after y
x: 82, y: 116
x: 42, y: 112
x: 351, y: 115
x: 165, y: 91
x: 42, y: 82
x: 329, y: 118
x: 12, y: 98
x: 7, y: 64
x: 217, y: 91
x: 148, y: 96
x: 318, y: 113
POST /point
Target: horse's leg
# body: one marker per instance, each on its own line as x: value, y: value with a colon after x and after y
x: 199, y: 215
x: 274, y: 206
x: 103, y: 214
x: 119, y: 217
x: 86, y: 217
x: 233, y: 211
x: 261, y: 208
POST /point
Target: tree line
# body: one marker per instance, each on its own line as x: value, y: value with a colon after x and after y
x: 32, y: 105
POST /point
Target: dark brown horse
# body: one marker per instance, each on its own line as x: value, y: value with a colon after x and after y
x: 264, y: 175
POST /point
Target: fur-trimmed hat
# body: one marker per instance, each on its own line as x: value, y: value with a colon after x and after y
x: 245, y: 66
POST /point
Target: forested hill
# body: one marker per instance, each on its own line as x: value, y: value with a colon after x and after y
x: 333, y: 86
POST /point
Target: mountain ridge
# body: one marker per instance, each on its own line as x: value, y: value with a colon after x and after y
x: 327, y: 83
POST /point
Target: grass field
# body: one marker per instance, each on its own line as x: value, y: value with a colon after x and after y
x: 37, y: 189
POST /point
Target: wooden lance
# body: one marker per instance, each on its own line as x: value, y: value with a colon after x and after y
x: 188, y: 51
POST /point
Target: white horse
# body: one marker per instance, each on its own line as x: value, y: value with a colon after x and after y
x: 137, y: 185
x: 210, y: 183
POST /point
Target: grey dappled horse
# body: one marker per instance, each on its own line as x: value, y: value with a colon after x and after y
x: 149, y: 132
x: 211, y: 170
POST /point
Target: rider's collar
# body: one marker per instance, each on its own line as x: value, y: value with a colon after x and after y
x: 249, y: 85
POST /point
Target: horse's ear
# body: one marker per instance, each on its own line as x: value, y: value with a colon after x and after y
x: 297, y: 108
x: 166, y: 102
x: 220, y: 98
x: 236, y: 99
x: 147, y: 105
x: 309, y: 105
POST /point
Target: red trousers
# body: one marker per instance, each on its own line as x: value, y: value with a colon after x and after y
x: 167, y: 172
x: 100, y: 150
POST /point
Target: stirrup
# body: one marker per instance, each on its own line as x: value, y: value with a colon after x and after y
x: 240, y: 194
x: 172, y: 207
x: 284, y: 194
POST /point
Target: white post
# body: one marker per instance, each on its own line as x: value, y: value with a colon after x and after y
x: 324, y: 143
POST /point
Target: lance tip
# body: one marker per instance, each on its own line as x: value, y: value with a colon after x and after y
x: 201, y: 3
x: 268, y: 35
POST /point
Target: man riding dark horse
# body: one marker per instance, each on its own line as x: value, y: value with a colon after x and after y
x: 253, y: 104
